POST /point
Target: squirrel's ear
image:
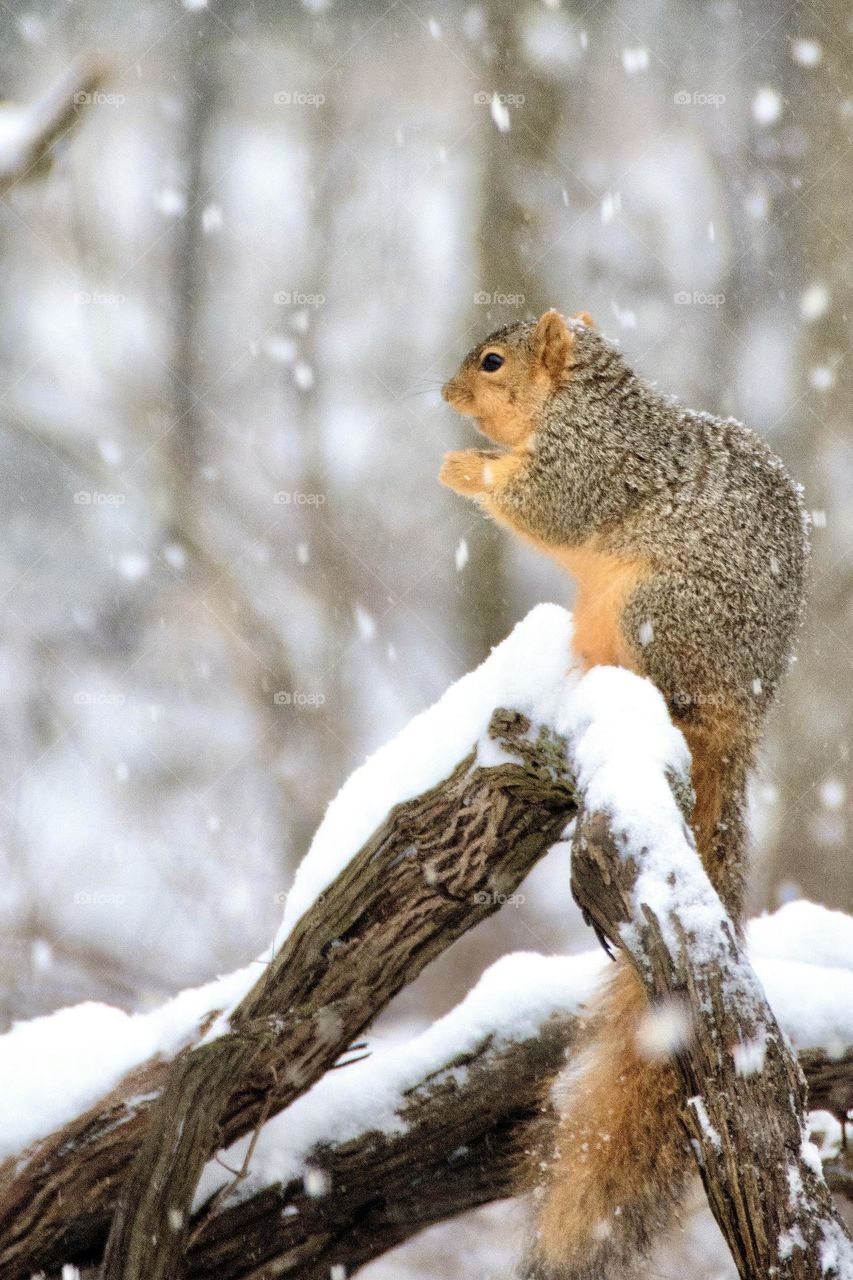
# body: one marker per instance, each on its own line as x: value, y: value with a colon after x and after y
x: 585, y: 318
x: 552, y: 343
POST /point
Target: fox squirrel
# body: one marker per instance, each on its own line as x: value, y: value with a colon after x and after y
x: 688, y: 545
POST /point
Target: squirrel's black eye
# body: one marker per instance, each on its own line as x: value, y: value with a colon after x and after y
x: 491, y: 362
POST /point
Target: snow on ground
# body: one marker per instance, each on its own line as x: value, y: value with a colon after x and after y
x: 622, y: 742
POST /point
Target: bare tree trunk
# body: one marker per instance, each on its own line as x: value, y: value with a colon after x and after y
x: 509, y: 251
x: 812, y: 218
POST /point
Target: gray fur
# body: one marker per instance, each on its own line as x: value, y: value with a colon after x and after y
x: 704, y: 499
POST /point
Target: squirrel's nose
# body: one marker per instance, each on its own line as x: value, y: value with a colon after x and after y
x: 447, y: 391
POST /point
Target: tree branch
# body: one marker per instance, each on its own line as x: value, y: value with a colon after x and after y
x: 437, y: 865
x: 458, y: 1146
x: 36, y: 128
x: 649, y: 896
x: 461, y: 1146
x: 462, y: 1129
x: 459, y: 1143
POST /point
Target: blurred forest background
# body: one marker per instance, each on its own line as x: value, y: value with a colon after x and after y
x: 228, y: 571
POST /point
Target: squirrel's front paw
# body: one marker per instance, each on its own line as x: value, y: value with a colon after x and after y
x: 465, y: 471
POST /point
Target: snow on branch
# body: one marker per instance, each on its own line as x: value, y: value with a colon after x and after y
x: 638, y: 878
x: 419, y: 1132
x: 424, y: 1130
x: 425, y: 840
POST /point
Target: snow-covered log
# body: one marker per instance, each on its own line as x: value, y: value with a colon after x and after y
x: 424, y: 841
x: 638, y: 878
x: 424, y: 1130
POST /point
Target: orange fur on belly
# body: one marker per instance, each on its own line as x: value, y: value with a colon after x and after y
x: 604, y: 581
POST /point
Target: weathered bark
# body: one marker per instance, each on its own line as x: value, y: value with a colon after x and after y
x: 830, y: 1080
x: 438, y: 864
x: 461, y: 1146
x: 746, y: 1128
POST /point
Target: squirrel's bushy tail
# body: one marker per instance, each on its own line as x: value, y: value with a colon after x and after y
x: 618, y: 1161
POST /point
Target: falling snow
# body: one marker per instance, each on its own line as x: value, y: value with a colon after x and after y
x: 814, y: 302
x: 635, y: 60
x: 808, y: 53
x: 500, y: 114
x: 766, y: 106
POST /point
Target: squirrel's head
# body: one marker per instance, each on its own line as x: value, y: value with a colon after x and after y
x: 505, y: 382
